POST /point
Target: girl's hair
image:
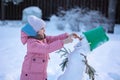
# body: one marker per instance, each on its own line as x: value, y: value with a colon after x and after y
x: 39, y: 37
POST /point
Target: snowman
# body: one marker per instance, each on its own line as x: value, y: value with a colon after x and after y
x: 76, y: 67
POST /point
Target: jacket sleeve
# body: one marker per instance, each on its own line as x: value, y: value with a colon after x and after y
x: 50, y: 39
x: 35, y: 47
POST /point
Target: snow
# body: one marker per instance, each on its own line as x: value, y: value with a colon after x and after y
x: 107, y: 62
x: 105, y: 59
x: 116, y: 29
x: 32, y: 10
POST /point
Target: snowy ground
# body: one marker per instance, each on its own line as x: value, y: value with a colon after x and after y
x: 105, y: 59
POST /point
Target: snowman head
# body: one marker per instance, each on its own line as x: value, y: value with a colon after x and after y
x: 83, y: 46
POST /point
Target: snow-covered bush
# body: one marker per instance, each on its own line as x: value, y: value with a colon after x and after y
x: 58, y: 21
x: 33, y: 10
x: 81, y: 19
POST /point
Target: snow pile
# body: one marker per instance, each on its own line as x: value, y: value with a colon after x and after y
x: 33, y: 10
x: 116, y: 29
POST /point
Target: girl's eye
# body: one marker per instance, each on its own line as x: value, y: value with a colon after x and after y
x: 42, y: 28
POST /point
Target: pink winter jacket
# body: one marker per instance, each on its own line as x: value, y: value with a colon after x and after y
x: 35, y: 62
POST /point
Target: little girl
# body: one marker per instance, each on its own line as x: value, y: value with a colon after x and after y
x: 39, y: 45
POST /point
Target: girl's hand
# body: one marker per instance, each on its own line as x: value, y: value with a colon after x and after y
x: 68, y: 40
x: 74, y: 35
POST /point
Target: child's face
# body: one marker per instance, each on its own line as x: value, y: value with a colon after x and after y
x: 41, y: 32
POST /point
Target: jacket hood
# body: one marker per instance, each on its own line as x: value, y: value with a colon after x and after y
x: 28, y: 29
